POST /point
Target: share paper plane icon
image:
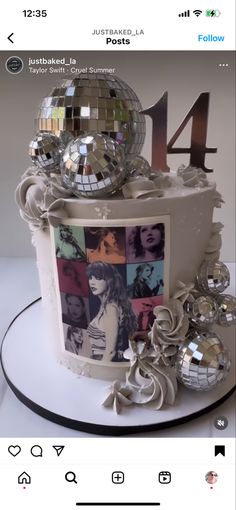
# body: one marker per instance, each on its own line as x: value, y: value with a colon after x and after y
x: 59, y: 449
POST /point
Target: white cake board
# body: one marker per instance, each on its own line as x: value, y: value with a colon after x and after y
x: 54, y: 392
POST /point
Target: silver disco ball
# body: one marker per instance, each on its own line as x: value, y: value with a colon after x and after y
x: 138, y: 166
x: 65, y: 137
x: 202, y: 362
x: 45, y: 151
x: 93, y: 166
x: 100, y: 103
x: 227, y: 310
x: 213, y: 277
x: 203, y: 311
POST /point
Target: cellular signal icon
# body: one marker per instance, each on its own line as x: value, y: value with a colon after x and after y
x: 185, y: 14
x: 197, y: 12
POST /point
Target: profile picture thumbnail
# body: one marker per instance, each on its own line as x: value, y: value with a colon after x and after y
x: 211, y: 477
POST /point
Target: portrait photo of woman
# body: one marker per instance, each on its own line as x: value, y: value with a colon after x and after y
x: 143, y: 309
x: 115, y: 320
x: 69, y: 242
x: 76, y: 341
x: 72, y: 277
x: 146, y: 282
x: 146, y: 316
x: 106, y: 244
x: 145, y: 243
x: 74, y: 311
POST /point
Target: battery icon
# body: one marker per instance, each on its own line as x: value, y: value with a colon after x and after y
x: 213, y: 13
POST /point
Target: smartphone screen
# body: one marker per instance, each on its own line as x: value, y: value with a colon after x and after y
x: 117, y: 255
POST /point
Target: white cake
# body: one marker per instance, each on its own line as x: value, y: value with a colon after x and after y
x: 128, y: 257
x: 187, y: 216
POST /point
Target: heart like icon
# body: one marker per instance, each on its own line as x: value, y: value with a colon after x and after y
x: 14, y: 450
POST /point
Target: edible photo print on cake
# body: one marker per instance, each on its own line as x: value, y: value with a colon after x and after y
x: 145, y: 280
x: 143, y: 309
x: 72, y: 277
x: 70, y: 242
x: 76, y: 340
x: 109, y: 281
x: 75, y: 310
x: 107, y: 244
x: 145, y: 243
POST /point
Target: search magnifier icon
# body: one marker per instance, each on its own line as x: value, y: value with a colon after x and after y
x: 70, y: 476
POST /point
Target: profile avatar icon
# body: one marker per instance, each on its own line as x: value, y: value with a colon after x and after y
x: 14, y: 65
x: 211, y: 477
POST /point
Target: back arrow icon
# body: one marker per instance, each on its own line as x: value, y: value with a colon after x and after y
x: 9, y: 38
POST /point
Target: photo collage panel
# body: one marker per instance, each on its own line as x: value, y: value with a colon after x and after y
x: 110, y: 279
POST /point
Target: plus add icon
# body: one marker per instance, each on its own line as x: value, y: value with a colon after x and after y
x: 118, y: 477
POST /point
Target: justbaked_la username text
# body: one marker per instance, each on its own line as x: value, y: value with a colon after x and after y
x: 120, y: 31
x: 117, y: 32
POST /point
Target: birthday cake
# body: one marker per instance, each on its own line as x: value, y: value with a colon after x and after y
x: 128, y: 255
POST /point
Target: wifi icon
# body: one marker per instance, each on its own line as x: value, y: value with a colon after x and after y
x: 197, y: 12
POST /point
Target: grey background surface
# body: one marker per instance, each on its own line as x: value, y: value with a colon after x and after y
x: 183, y: 74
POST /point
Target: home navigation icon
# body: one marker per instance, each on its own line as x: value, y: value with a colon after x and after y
x: 24, y: 478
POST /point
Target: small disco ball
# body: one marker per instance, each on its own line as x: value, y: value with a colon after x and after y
x: 202, y: 362
x: 138, y: 166
x: 45, y: 151
x: 227, y: 310
x: 202, y: 311
x: 213, y: 277
x: 93, y: 166
x: 65, y: 137
x: 99, y: 103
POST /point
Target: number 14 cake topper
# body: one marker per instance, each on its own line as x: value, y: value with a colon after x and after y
x: 197, y: 150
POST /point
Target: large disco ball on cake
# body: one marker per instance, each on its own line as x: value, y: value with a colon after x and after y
x: 202, y: 362
x: 93, y: 165
x: 100, y: 103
